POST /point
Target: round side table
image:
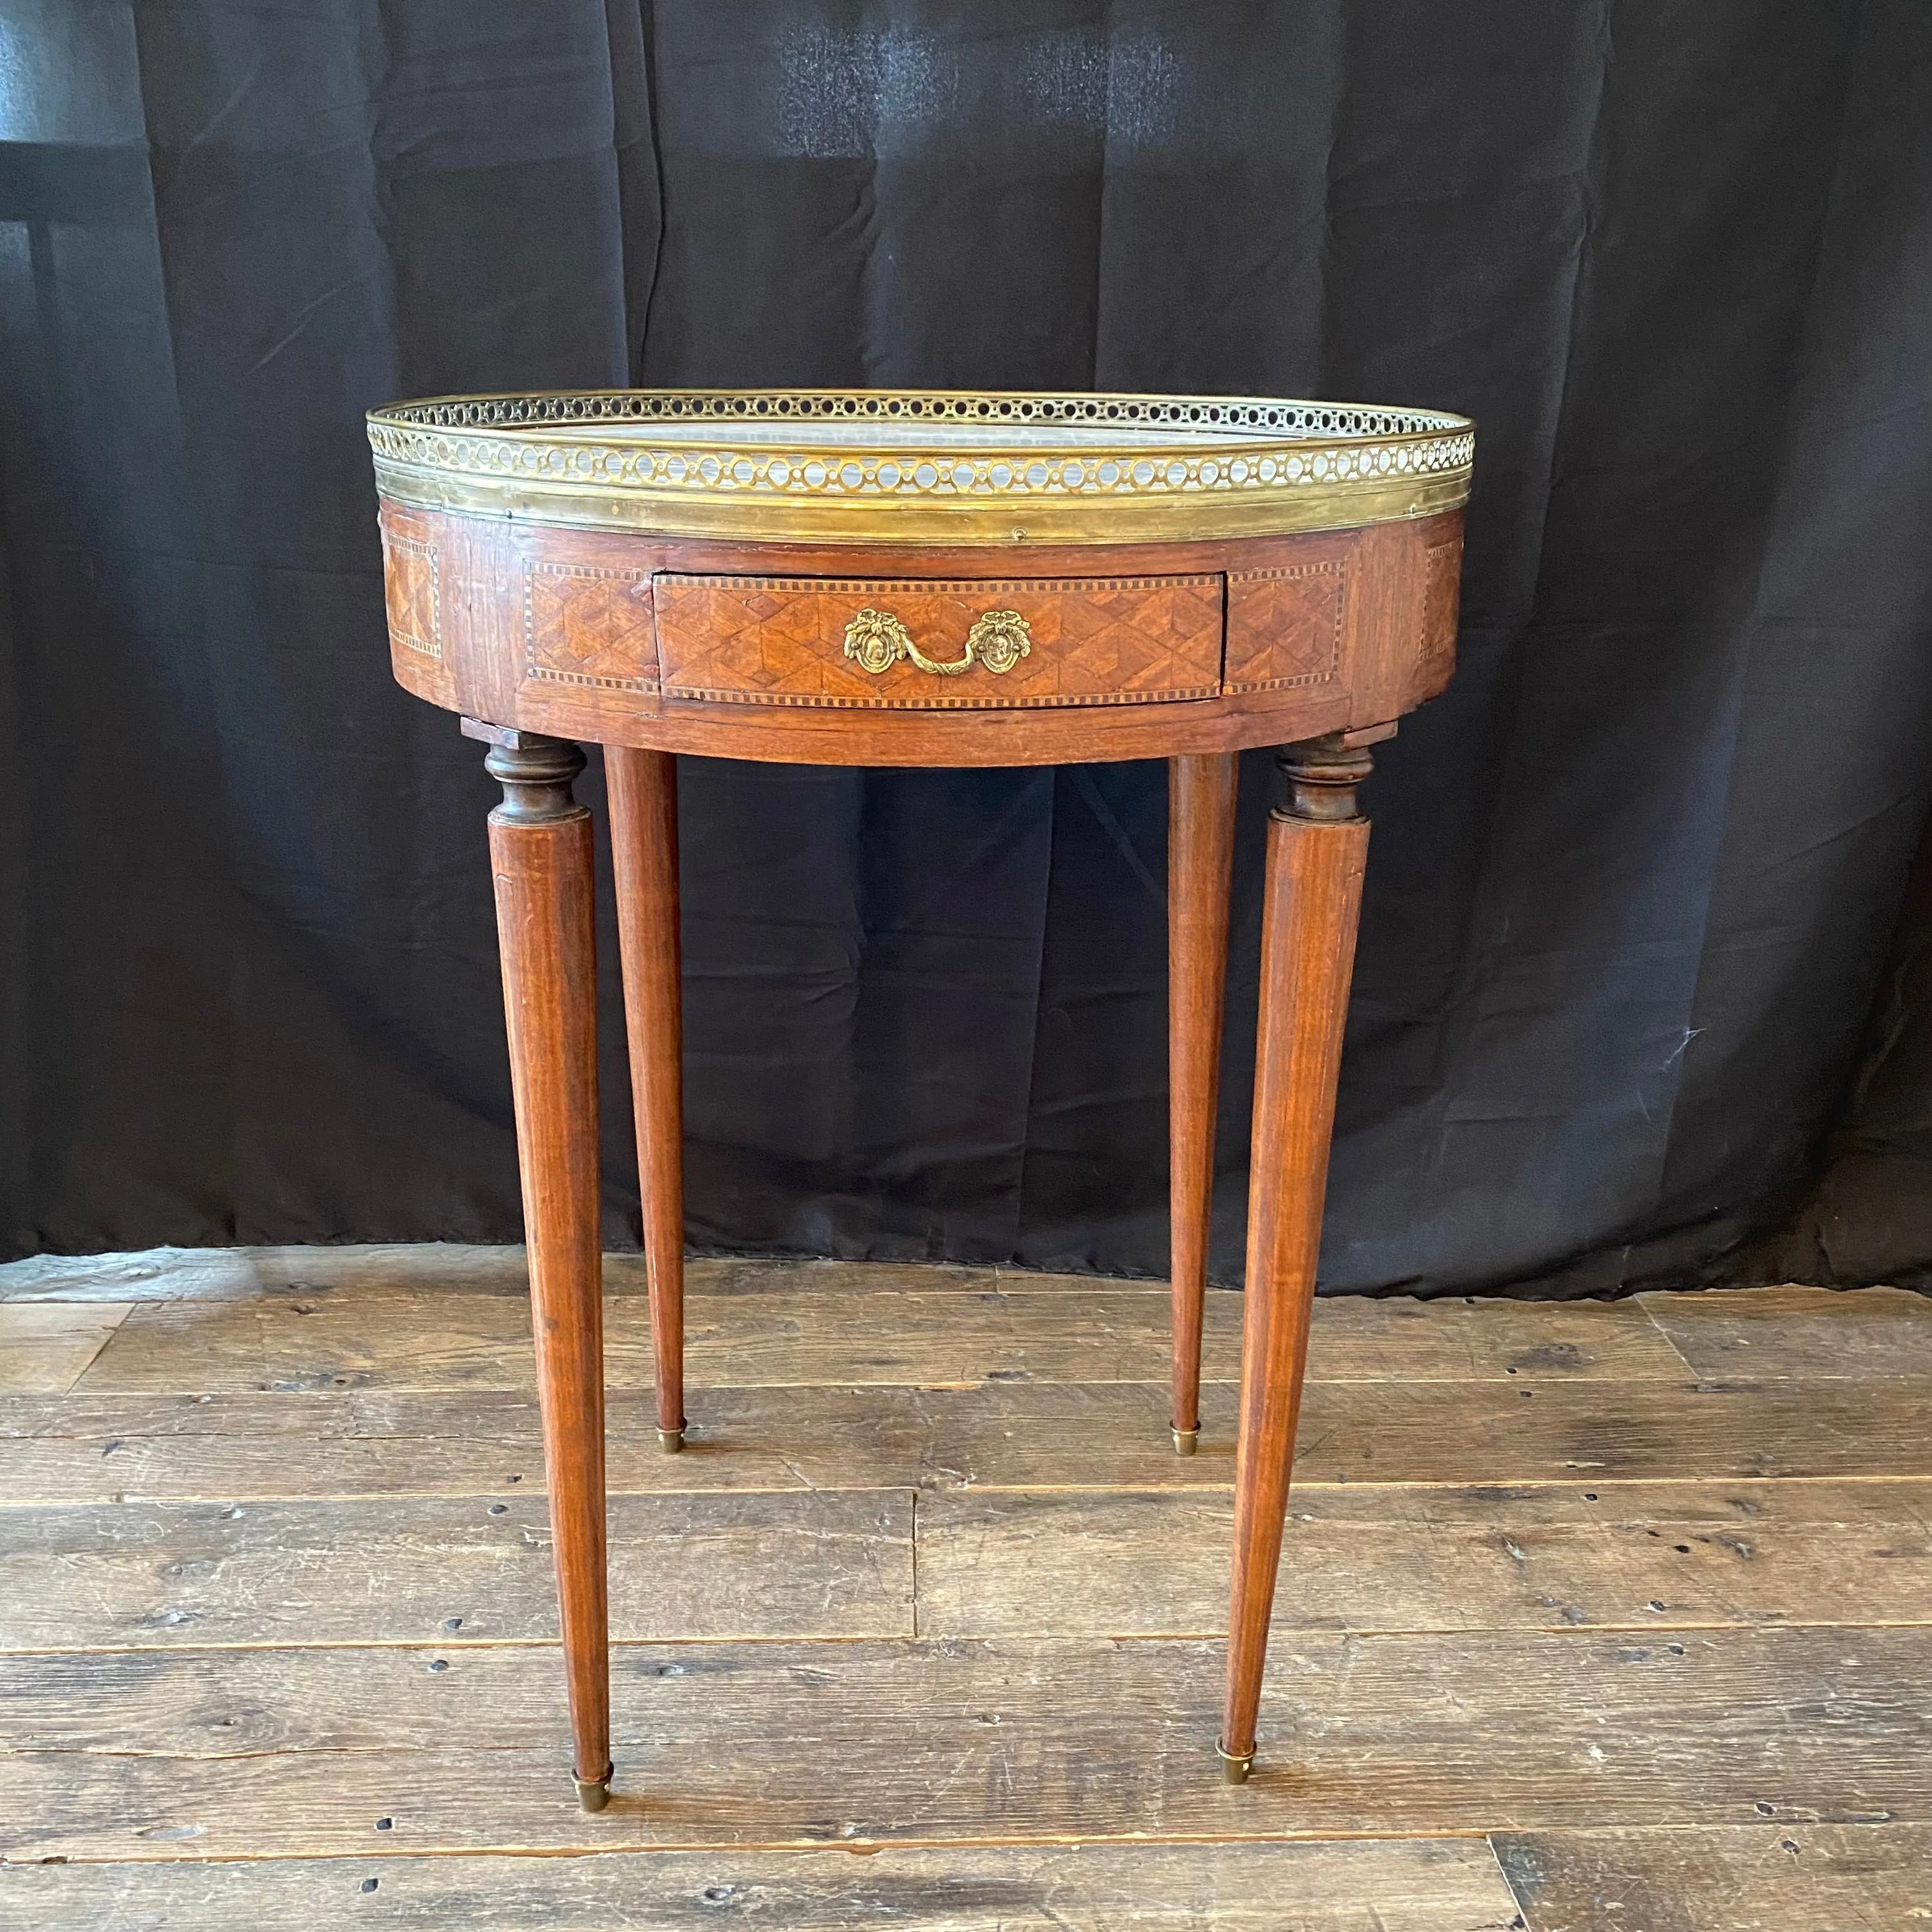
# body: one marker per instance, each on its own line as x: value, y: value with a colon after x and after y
x: 919, y: 577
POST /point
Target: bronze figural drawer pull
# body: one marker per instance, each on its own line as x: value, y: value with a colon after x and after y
x: 998, y: 640
x: 907, y: 643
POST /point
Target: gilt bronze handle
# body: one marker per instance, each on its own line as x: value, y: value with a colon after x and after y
x: 998, y: 640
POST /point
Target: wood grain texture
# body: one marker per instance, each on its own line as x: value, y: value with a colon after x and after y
x: 541, y: 858
x: 409, y: 576
x: 1201, y: 796
x: 643, y: 787
x: 1440, y: 1885
x: 1387, y: 604
x: 824, y: 1336
x: 418, y: 551
x: 1436, y: 628
x: 447, y: 1267
x: 1755, y: 1333
x: 588, y: 625
x: 1288, y: 622
x: 1309, y: 909
x: 403, y: 1443
x: 1398, y: 1338
x: 163, y: 1753
x: 829, y: 1564
x: 46, y: 1347
x: 490, y: 669
x: 1044, y: 734
x: 840, y: 1563
x: 254, y: 1663
x: 824, y: 1332
x: 1641, y: 1556
x: 381, y: 1441
x: 1764, y: 1878
x: 766, y: 640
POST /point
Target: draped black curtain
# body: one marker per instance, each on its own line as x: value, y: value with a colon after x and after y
x: 1643, y: 993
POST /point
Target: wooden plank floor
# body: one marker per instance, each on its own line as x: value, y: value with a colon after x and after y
x: 1593, y: 1615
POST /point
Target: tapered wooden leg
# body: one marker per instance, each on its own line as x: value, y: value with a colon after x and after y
x: 540, y: 853
x: 643, y: 845
x: 1317, y: 847
x: 1200, y: 859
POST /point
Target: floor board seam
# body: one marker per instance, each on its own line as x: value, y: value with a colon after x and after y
x: 1516, y: 1899
x: 1180, y: 1487
x: 851, y: 1847
x: 939, y: 1639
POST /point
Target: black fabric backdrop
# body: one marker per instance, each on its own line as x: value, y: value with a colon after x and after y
x: 1642, y: 995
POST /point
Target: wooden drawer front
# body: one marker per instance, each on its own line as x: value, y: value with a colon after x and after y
x: 806, y: 640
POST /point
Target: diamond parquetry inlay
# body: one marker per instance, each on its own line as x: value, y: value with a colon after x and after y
x: 586, y: 625
x: 412, y: 591
x: 781, y: 640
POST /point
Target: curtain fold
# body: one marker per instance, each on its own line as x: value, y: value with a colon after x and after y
x: 1623, y: 1013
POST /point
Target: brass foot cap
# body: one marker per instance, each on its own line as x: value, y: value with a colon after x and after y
x: 1234, y: 1768
x: 593, y: 1793
x: 671, y: 1441
x: 1186, y: 1441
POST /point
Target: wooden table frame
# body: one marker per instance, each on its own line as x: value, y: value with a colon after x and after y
x: 541, y: 854
x: 861, y: 600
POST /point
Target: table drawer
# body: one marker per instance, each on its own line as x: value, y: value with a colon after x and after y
x: 927, y: 644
